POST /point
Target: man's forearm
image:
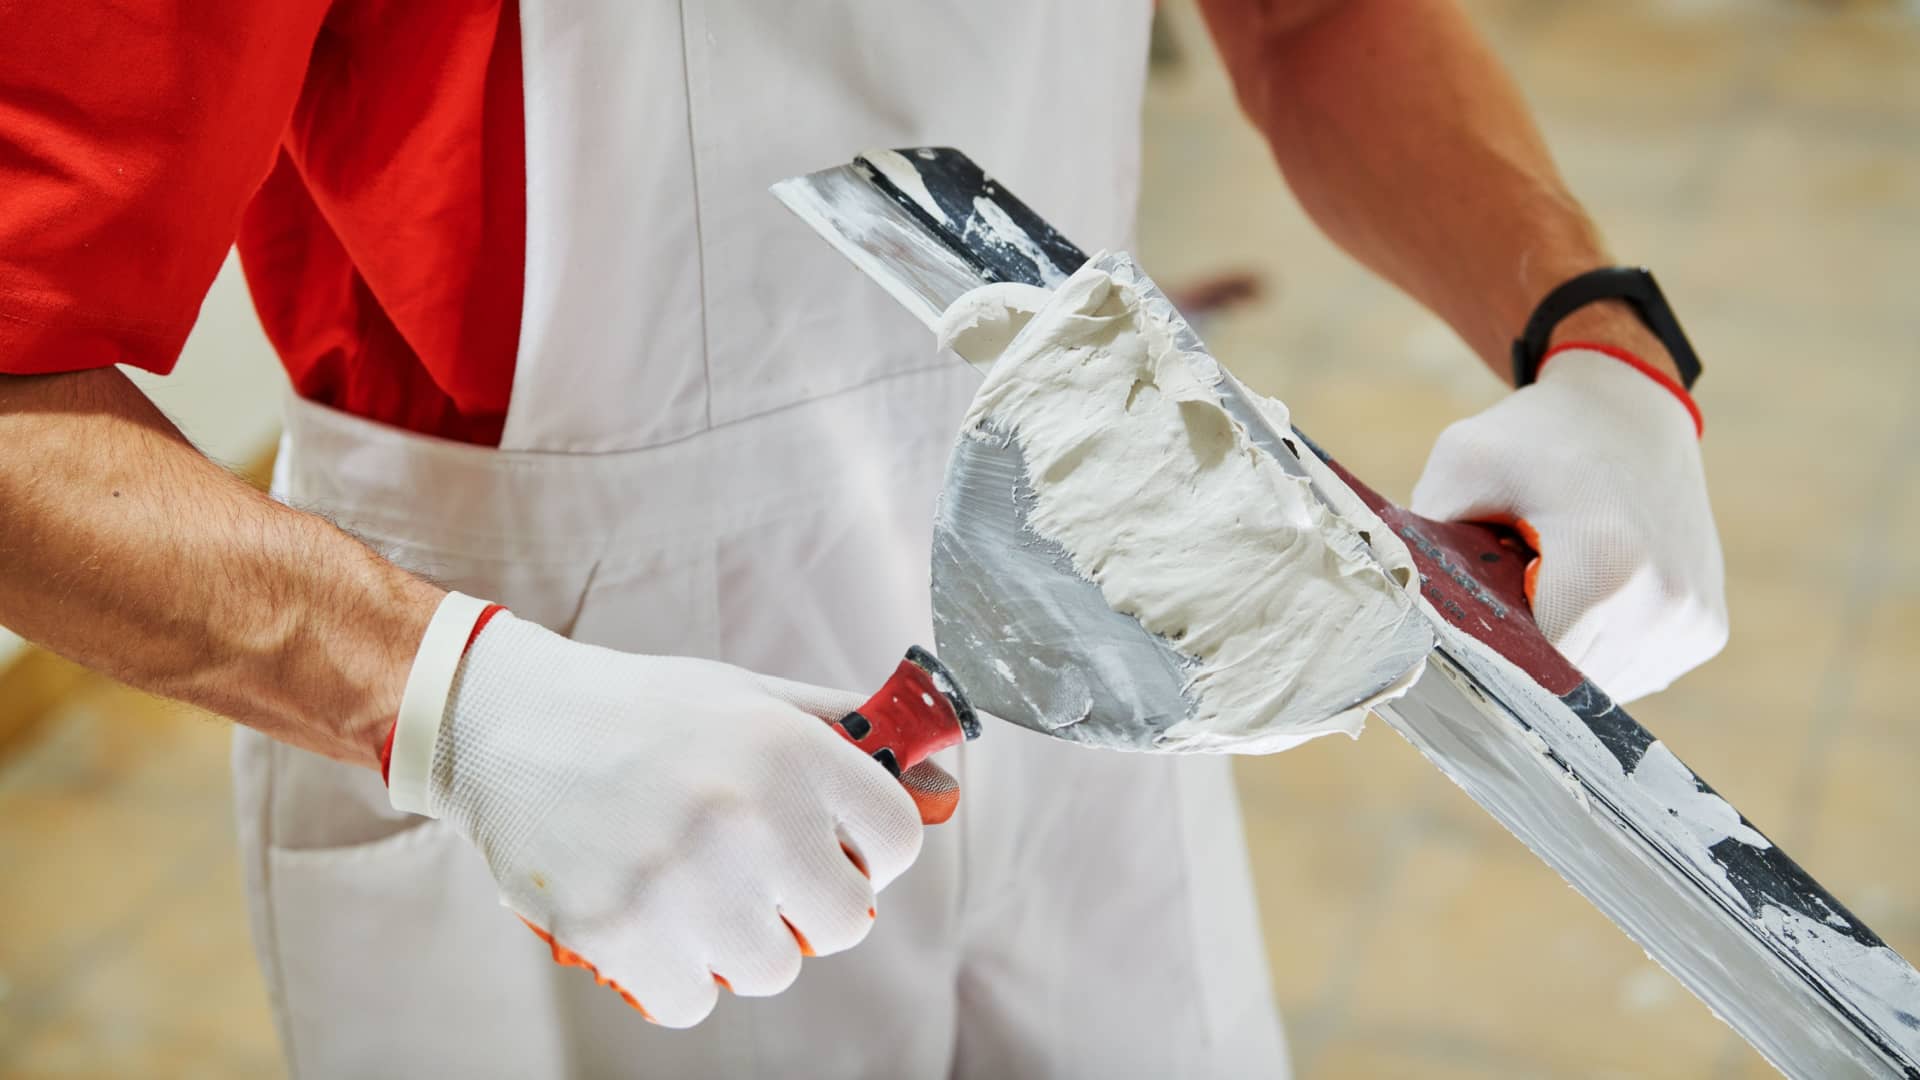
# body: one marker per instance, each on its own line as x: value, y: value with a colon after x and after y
x: 125, y: 549
x: 1408, y: 144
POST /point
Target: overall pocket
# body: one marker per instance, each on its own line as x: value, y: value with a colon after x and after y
x: 398, y: 951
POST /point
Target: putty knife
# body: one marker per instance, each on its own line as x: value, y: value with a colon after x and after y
x: 1498, y: 710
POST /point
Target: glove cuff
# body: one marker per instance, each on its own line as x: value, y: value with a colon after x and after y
x: 407, y: 762
x: 1672, y: 386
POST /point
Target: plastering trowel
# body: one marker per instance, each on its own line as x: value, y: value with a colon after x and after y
x: 1495, y: 707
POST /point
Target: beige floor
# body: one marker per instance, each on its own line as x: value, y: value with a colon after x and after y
x: 1765, y: 157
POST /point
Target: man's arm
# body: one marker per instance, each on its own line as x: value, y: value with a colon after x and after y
x: 134, y: 136
x: 1402, y: 136
x: 1411, y: 148
x: 124, y: 548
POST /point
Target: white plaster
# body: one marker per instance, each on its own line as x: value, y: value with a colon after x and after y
x: 1159, y: 498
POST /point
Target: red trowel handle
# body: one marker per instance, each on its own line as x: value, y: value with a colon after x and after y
x: 1478, y: 576
x: 919, y: 712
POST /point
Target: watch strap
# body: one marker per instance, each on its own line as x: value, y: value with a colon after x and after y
x: 1633, y: 284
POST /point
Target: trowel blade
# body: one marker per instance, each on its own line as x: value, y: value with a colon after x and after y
x: 1031, y: 640
x: 1594, y: 796
x: 957, y: 229
x: 881, y: 236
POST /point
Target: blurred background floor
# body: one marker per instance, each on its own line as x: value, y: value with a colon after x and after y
x: 1762, y: 155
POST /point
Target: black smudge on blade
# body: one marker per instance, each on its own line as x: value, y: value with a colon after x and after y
x: 954, y: 182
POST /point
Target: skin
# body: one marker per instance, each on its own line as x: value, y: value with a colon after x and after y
x: 1402, y: 136
x: 125, y: 549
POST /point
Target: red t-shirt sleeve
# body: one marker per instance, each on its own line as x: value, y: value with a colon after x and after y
x: 132, y: 136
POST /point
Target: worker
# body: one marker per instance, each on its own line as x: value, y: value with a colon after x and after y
x: 552, y: 346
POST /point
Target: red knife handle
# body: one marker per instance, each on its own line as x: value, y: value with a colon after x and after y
x: 918, y: 713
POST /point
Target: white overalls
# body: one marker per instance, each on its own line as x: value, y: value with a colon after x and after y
x: 724, y: 442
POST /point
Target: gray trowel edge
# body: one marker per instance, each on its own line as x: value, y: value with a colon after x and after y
x: 1770, y: 951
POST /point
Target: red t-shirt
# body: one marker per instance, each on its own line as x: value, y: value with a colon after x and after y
x: 366, y: 156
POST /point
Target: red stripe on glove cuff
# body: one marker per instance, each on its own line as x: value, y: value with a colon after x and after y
x: 479, y: 624
x: 1644, y: 368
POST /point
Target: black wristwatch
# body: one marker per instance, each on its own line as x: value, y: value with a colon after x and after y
x: 1636, y: 286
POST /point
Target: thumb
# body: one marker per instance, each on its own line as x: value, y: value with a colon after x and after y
x: 821, y: 701
x: 1467, y: 476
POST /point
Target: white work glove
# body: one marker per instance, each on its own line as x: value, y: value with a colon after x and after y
x: 1597, y: 464
x: 671, y: 824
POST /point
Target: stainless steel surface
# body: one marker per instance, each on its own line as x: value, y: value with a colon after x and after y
x: 882, y: 239
x: 1032, y: 641
x: 1530, y: 761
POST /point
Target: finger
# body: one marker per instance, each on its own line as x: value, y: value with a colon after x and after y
x: 675, y: 995
x: 1586, y: 588
x: 1468, y: 475
x: 761, y: 959
x: 822, y: 702
x: 859, y: 863
x: 1635, y: 641
x: 1530, y: 537
x: 800, y: 939
x: 935, y: 793
x: 880, y: 826
x: 661, y: 976
x: 874, y: 816
x: 830, y: 905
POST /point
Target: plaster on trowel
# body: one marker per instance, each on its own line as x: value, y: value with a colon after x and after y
x: 1164, y: 638
x: 1497, y: 709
